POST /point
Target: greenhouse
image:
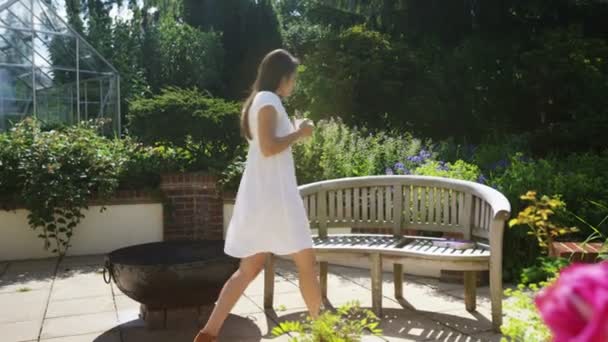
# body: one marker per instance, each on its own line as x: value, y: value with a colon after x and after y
x: 48, y: 71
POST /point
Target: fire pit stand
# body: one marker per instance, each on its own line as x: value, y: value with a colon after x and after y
x: 176, y: 282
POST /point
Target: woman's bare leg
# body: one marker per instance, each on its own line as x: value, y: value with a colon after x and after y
x: 309, y: 283
x: 248, y: 270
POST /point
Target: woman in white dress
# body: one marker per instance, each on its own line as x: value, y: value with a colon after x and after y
x: 269, y: 214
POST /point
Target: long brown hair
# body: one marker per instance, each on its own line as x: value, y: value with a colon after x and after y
x: 275, y: 66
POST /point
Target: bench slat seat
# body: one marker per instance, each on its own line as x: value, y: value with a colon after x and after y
x: 402, y: 246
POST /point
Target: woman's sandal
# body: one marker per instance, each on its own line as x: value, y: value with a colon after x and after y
x: 204, y: 337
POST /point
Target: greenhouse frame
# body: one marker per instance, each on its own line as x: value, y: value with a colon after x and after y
x: 50, y: 72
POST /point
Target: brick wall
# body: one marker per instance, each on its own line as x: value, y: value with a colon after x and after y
x: 118, y: 198
x: 193, y: 207
x: 130, y: 197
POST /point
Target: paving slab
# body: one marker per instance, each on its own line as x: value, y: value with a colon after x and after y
x: 79, y: 284
x: 85, y: 260
x: 281, y: 285
x: 37, y: 265
x: 23, y: 306
x: 249, y: 325
x: 292, y: 300
x: 20, y: 331
x: 468, y: 323
x: 80, y: 306
x: 27, y: 275
x: 246, y: 305
x: 21, y: 283
x: 145, y: 335
x: 78, y: 325
x: 412, y: 326
x: 109, y: 336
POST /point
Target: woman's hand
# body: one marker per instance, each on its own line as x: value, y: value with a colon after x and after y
x: 306, y: 128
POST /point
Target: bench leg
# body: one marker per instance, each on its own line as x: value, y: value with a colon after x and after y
x: 323, y: 269
x: 496, y: 293
x: 376, y: 276
x: 269, y: 282
x: 398, y: 280
x: 470, y: 289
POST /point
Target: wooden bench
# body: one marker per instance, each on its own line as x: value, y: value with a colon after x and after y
x: 425, y: 204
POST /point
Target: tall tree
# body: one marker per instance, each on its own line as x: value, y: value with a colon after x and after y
x: 73, y: 9
x: 99, y: 24
x: 172, y: 8
x: 249, y: 30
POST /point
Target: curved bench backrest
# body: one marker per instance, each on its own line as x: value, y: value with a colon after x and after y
x: 405, y: 202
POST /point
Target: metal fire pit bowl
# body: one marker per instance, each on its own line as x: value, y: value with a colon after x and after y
x: 171, y: 274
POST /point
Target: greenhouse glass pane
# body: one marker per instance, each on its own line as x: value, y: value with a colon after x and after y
x: 57, y: 104
x: 16, y: 15
x: 91, y: 61
x: 15, y: 95
x: 55, y: 51
x: 15, y: 47
x: 46, y: 19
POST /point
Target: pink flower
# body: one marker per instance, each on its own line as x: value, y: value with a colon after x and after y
x: 575, y: 307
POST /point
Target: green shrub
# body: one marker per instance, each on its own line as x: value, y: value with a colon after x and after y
x: 545, y: 269
x: 231, y: 177
x: 337, y: 151
x: 458, y: 170
x: 523, y: 321
x: 537, y: 217
x: 145, y: 164
x: 577, y: 178
x: 347, y: 324
x: 55, y: 173
x: 205, y: 126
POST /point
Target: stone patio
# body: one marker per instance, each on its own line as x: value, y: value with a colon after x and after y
x: 42, y: 300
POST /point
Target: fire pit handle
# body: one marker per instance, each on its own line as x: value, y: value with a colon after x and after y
x: 108, y: 272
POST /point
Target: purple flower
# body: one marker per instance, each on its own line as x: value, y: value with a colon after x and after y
x: 415, y: 159
x: 482, y: 179
x: 424, y: 154
x: 442, y: 166
x: 419, y: 159
x: 399, y: 168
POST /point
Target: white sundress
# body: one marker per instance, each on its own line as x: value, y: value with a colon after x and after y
x: 269, y: 214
